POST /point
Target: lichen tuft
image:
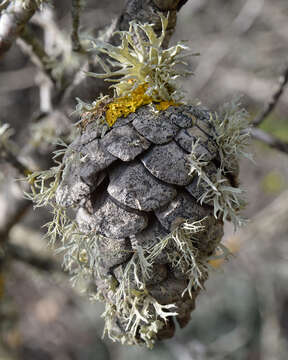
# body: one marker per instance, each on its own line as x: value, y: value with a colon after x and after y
x: 142, y: 60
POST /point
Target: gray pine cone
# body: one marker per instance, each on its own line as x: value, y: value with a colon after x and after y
x: 139, y: 210
x: 140, y: 204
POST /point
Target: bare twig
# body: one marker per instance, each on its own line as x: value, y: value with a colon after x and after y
x: 13, y: 215
x: 4, y: 4
x: 33, y: 47
x: 13, y: 20
x: 15, y: 208
x: 269, y: 107
x: 7, y: 150
x: 260, y: 134
x: 76, y: 9
x: 23, y: 254
x: 11, y: 159
x: 269, y: 139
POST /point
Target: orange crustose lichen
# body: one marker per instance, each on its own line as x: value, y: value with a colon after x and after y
x: 125, y: 105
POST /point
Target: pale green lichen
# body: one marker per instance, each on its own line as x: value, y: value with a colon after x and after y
x: 62, y: 229
x: 227, y: 200
x: 232, y: 137
x: 142, y: 317
x: 127, y: 299
x: 132, y: 314
x: 232, y: 134
x: 185, y: 255
x: 140, y: 314
x: 142, y: 60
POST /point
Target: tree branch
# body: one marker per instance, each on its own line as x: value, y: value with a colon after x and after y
x: 269, y: 139
x: 4, y: 5
x: 20, y: 253
x: 33, y: 47
x: 11, y: 211
x: 76, y: 9
x: 14, y: 211
x: 260, y: 134
x: 7, y: 150
x: 269, y: 107
x: 12, y: 21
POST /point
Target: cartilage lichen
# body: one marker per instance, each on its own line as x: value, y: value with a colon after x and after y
x: 143, y: 61
x: 147, y: 72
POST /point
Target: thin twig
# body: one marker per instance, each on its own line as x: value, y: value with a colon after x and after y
x: 8, y: 150
x: 76, y: 9
x: 12, y: 160
x: 13, y: 210
x: 23, y: 254
x: 4, y: 5
x: 14, y: 215
x: 269, y: 139
x: 33, y: 47
x: 269, y: 107
x: 12, y: 21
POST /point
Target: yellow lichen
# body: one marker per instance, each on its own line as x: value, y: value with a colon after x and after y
x: 164, y: 105
x: 125, y: 105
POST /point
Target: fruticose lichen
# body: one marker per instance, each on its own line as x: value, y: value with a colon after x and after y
x: 146, y: 76
x: 232, y: 137
x: 147, y: 72
x: 143, y: 61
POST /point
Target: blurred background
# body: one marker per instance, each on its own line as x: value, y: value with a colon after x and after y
x: 242, y: 313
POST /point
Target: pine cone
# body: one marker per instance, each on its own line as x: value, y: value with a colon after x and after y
x: 136, y: 197
x: 151, y: 181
